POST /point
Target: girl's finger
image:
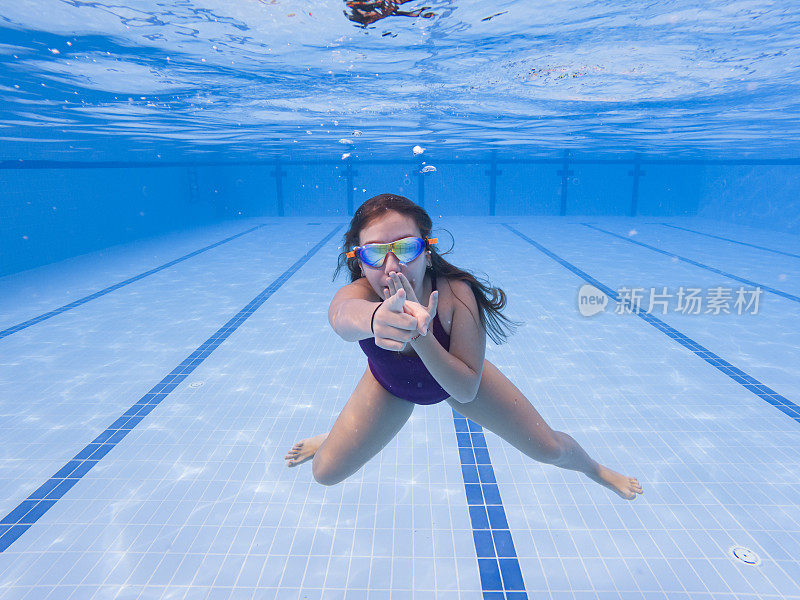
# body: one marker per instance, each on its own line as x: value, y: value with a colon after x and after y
x: 406, y: 283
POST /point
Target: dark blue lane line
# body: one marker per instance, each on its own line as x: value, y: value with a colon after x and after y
x: 719, y: 237
x: 764, y: 392
x: 116, y: 286
x: 775, y: 291
x: 19, y: 520
x: 501, y: 576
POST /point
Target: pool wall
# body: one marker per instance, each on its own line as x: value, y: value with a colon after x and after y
x: 50, y: 211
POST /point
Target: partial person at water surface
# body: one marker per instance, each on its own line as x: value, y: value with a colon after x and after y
x: 402, y: 291
x: 367, y: 12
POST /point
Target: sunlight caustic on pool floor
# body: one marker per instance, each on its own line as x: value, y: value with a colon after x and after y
x: 145, y: 427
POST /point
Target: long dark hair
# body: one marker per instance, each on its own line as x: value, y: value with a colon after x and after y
x: 491, y: 300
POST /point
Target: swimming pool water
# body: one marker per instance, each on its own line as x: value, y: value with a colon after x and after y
x: 175, y: 181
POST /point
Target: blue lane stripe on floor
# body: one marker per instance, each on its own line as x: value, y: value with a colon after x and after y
x: 116, y: 286
x: 498, y: 566
x: 698, y: 264
x: 764, y: 392
x: 19, y: 520
x: 719, y: 237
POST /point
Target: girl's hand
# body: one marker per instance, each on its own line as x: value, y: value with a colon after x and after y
x: 393, y: 327
x: 423, y: 314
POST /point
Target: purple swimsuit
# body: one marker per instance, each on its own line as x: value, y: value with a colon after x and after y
x: 406, y: 376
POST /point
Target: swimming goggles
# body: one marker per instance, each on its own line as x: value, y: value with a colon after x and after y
x: 405, y: 249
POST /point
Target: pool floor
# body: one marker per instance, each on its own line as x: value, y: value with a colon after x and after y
x: 149, y: 392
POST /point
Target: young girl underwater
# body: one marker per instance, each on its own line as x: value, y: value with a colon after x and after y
x: 393, y: 265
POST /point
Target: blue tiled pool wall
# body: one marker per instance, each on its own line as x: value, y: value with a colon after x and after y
x: 765, y: 196
x: 51, y: 211
x: 67, y: 212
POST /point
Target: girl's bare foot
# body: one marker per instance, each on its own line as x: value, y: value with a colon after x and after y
x: 304, y: 450
x: 626, y: 487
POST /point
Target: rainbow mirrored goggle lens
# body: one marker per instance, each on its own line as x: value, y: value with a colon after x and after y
x: 406, y: 250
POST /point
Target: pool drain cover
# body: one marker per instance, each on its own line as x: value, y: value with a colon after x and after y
x: 745, y: 555
x: 196, y: 384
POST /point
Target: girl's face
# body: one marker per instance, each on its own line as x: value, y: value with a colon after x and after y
x: 388, y: 228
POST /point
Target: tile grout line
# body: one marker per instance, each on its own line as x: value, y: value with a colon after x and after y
x: 43, y: 317
x: 773, y: 290
x: 30, y: 510
x: 719, y: 237
x: 761, y: 390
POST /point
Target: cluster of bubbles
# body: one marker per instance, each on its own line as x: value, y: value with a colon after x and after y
x: 349, y: 142
x: 416, y: 150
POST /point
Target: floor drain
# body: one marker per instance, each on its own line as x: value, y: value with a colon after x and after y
x: 196, y: 384
x: 745, y: 555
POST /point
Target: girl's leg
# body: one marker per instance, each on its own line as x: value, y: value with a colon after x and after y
x: 369, y: 421
x: 502, y: 409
